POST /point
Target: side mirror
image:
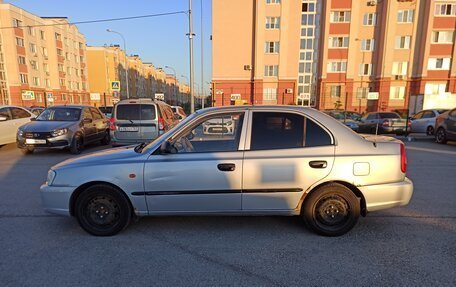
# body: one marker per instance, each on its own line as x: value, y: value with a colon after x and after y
x: 2, y: 119
x: 167, y: 148
x: 87, y: 121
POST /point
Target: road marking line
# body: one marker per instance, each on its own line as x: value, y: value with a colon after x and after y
x: 431, y: 150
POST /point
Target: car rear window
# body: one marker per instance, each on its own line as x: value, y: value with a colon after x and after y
x: 389, y: 116
x: 135, y: 112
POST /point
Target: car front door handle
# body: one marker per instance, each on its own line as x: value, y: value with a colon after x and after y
x: 226, y: 166
x: 318, y: 164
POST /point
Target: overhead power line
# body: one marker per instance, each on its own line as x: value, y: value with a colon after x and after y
x: 102, y: 20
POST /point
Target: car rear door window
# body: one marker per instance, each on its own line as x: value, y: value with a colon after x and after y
x: 5, y: 112
x: 316, y: 135
x: 372, y: 117
x: 418, y: 116
x: 87, y: 114
x: 389, y: 116
x: 135, y: 112
x: 428, y: 115
x: 18, y: 113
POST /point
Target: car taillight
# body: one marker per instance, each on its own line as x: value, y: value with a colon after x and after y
x: 386, y: 123
x: 161, y: 124
x: 403, y: 159
x: 112, y: 124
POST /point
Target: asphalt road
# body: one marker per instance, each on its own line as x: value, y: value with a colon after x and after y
x: 407, y: 246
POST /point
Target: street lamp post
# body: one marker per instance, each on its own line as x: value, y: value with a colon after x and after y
x: 175, y: 83
x: 126, y: 63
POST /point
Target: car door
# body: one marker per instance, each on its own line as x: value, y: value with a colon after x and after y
x: 100, y: 123
x: 428, y: 120
x: 416, y: 123
x: 285, y: 154
x: 205, y: 173
x: 7, y: 133
x: 451, y: 124
x: 88, y: 125
x: 19, y: 117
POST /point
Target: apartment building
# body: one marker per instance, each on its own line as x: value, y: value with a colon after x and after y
x: 256, y: 51
x: 42, y: 60
x: 380, y: 55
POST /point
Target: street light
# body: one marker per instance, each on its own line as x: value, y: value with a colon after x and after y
x: 175, y: 82
x: 126, y: 64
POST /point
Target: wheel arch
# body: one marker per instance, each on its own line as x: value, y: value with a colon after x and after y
x: 77, y: 192
x: 348, y: 185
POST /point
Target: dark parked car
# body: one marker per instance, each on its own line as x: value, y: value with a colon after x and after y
x: 445, y: 126
x: 64, y: 127
x: 107, y: 111
x: 350, y: 119
x: 382, y: 123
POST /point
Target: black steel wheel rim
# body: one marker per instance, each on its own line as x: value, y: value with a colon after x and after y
x: 102, y: 211
x: 440, y: 135
x: 332, y: 211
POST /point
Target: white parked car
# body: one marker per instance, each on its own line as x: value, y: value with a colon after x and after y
x: 280, y: 160
x: 11, y: 118
x: 424, y: 121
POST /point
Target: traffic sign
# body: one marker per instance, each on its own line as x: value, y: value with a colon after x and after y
x: 50, y: 97
x: 160, y: 96
x: 28, y: 95
x: 235, y: 97
x: 372, y: 96
x: 115, y: 86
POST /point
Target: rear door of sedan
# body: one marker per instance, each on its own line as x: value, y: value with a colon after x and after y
x: 286, y: 153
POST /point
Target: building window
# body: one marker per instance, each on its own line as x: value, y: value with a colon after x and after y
x: 76, y: 71
x: 405, y: 16
x: 434, y: 89
x: 58, y: 37
x: 81, y: 58
x: 308, y: 7
x: 17, y: 23
x: 42, y: 35
x: 39, y: 98
x: 59, y: 52
x: 365, y: 69
x: 305, y: 68
x: 445, y: 9
x: 67, y: 55
x: 48, y: 83
x: 443, y: 37
x: 361, y: 93
x: 34, y: 65
x: 32, y: 48
x: 439, y: 63
x: 24, y: 78
x: 338, y: 42
x: 19, y: 41
x: 84, y: 86
x: 21, y: 60
x: 80, y: 45
x: 69, y: 71
x: 46, y: 67
x: 337, y: 67
x: 370, y: 19
x: 403, y: 42
x: 400, y: 68
x: 36, y: 81
x: 64, y: 96
x: 31, y: 31
x: 271, y: 47
x: 272, y: 22
x: 307, y: 19
x: 62, y: 84
x: 367, y: 45
x: 335, y: 91
x: 44, y: 51
x: 271, y: 70
x: 60, y: 67
x: 272, y: 1
x: 306, y: 44
x: 397, y: 93
x: 269, y: 94
x: 340, y: 16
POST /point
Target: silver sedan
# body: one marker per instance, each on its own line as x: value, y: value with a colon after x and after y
x: 278, y: 160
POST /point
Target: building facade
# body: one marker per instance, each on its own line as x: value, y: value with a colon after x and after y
x: 42, y: 60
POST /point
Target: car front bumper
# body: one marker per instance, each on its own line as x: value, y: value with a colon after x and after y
x: 384, y: 196
x: 56, y: 199
x: 51, y: 142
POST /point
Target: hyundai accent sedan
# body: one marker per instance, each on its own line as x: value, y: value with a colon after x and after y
x: 279, y: 160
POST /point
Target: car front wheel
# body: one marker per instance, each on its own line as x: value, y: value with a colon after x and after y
x: 106, y: 138
x: 440, y: 136
x: 102, y: 210
x: 76, y: 145
x: 331, y: 210
x: 430, y: 130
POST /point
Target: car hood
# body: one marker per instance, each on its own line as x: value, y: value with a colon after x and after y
x: 105, y: 158
x: 45, y: 126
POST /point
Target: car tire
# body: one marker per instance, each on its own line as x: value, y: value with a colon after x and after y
x: 430, y: 131
x: 103, y: 210
x: 440, y: 136
x: 331, y: 210
x: 27, y: 150
x: 76, y: 145
x: 106, y: 140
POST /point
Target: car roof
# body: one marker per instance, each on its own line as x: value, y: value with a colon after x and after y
x: 72, y: 106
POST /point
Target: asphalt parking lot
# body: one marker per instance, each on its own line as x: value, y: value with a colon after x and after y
x: 408, y: 246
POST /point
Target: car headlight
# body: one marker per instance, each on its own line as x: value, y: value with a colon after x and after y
x: 59, y: 132
x: 20, y: 132
x: 50, y: 177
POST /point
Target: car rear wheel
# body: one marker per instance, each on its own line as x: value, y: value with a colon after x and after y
x: 440, y: 136
x: 331, y: 210
x: 76, y: 145
x: 102, y: 210
x: 106, y: 139
x: 27, y: 150
x: 430, y: 130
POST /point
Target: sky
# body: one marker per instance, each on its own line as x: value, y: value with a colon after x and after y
x: 159, y: 40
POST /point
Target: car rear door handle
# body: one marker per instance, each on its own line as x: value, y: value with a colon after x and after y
x: 226, y: 166
x: 318, y: 164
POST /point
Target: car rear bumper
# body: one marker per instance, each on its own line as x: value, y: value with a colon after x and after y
x: 56, y: 199
x: 384, y: 196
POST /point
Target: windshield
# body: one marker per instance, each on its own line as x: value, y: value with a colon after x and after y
x: 169, y: 133
x: 135, y: 112
x: 60, y: 114
x: 389, y: 116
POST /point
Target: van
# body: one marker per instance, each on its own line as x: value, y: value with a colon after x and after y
x: 140, y: 120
